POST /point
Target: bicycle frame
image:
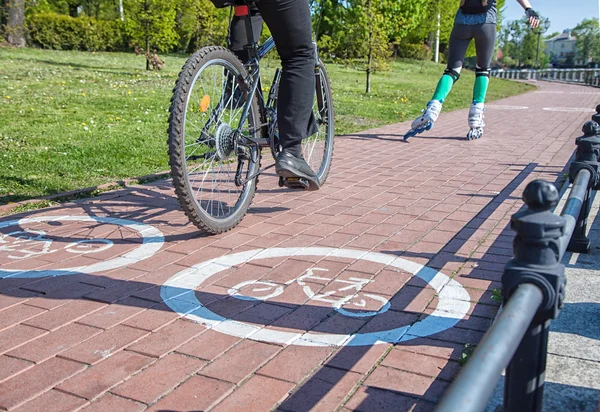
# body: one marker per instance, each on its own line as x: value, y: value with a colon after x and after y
x: 255, y: 54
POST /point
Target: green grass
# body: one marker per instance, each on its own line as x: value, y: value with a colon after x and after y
x: 71, y: 120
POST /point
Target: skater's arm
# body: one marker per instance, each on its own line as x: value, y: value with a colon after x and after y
x: 534, y: 19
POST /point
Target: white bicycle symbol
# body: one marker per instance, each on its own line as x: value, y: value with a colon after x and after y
x: 26, y: 243
x: 345, y: 300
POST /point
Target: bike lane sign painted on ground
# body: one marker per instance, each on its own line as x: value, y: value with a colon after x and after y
x: 42, y: 238
x: 343, y: 294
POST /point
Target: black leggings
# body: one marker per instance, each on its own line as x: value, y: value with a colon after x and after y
x: 462, y: 34
x: 291, y: 26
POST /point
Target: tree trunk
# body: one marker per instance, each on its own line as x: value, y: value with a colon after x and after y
x: 369, y: 60
x: 147, y: 52
x: 15, y: 25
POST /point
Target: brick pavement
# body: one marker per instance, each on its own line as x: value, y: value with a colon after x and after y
x: 84, y: 324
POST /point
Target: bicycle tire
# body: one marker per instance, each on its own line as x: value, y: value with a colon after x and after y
x: 219, y: 141
x: 324, y: 112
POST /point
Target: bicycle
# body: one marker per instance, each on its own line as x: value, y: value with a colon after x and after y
x: 225, y: 125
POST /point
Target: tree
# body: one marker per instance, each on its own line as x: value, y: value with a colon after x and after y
x: 588, y: 40
x: 519, y: 43
x: 200, y: 23
x: 151, y: 23
x: 15, y: 22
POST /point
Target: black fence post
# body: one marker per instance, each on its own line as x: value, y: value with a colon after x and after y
x: 536, y: 261
x: 596, y: 117
x: 587, y: 156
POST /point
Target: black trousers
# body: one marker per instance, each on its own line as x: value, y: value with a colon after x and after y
x: 291, y: 27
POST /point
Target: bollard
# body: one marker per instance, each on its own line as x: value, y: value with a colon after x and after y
x: 596, y: 117
x: 536, y: 261
x: 587, y: 157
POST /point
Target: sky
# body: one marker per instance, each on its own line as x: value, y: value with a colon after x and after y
x: 563, y: 14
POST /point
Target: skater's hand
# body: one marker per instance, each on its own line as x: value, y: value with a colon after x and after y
x: 534, y: 18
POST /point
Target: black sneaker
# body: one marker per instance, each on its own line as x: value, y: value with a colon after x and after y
x: 296, y: 173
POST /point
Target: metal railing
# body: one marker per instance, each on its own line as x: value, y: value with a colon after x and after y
x: 590, y: 77
x: 533, y: 287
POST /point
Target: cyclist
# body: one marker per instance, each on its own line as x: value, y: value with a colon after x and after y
x: 475, y: 19
x: 291, y: 26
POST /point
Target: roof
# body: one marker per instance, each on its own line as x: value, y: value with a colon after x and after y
x: 564, y: 36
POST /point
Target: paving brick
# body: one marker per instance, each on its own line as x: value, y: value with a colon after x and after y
x: 116, y: 313
x: 117, y: 292
x: 273, y: 392
x: 62, y: 296
x: 422, y: 364
x: 412, y: 299
x: 432, y: 347
x: 324, y: 391
x: 18, y: 314
x: 240, y: 361
x: 360, y: 359
x: 36, y: 380
x: 101, y: 377
x: 114, y: 404
x: 388, y: 321
x: 263, y: 314
x: 294, y: 363
x: 65, y: 314
x: 209, y: 345
x: 54, y: 401
x: 371, y: 399
x: 197, y: 394
x: 15, y: 296
x: 409, y: 383
x: 168, y: 338
x: 104, y: 344
x: 54, y: 343
x: 9, y: 367
x: 153, y: 318
x: 17, y: 336
x: 158, y: 379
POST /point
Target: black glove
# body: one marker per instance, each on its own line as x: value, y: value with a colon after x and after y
x: 529, y: 12
x: 532, y: 17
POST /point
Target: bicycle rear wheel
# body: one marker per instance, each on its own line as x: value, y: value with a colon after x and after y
x: 318, y: 148
x: 204, y: 154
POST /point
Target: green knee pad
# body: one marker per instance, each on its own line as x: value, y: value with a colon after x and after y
x: 480, y: 88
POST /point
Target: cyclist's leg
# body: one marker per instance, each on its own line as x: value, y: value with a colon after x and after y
x: 485, y: 39
x: 237, y: 38
x: 291, y: 26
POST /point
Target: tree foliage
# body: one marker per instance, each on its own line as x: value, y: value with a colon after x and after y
x: 519, y: 44
x: 588, y: 40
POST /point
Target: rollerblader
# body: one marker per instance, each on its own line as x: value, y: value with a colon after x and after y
x: 475, y: 19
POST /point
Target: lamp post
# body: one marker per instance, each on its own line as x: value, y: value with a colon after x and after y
x: 541, y: 29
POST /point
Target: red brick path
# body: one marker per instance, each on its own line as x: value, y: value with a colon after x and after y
x: 105, y: 340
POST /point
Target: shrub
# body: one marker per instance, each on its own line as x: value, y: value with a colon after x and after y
x: 58, y: 31
x: 414, y: 51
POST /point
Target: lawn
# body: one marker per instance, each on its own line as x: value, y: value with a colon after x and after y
x: 71, y: 120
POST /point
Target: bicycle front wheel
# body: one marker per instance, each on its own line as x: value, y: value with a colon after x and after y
x: 318, y: 148
x: 208, y: 166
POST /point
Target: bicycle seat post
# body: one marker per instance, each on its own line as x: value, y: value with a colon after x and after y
x: 242, y: 10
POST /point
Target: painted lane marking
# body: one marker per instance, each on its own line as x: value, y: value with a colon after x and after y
x: 153, y: 240
x: 179, y: 294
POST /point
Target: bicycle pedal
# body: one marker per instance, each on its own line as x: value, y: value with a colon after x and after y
x: 296, y: 183
x: 281, y: 182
